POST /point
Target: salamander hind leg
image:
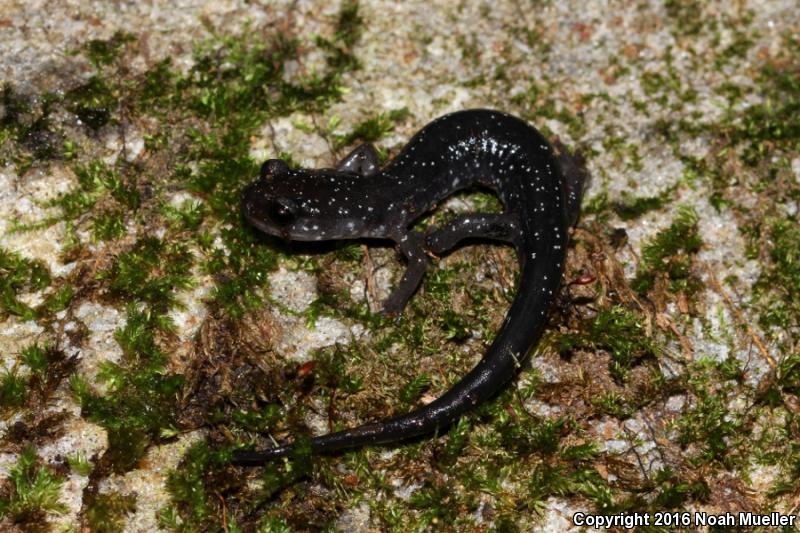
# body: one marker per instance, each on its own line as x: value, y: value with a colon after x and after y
x: 496, y: 227
x: 410, y: 245
x: 363, y: 160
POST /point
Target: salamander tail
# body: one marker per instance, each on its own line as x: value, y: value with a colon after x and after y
x: 255, y: 458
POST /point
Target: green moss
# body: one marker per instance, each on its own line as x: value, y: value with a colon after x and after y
x: 787, y: 482
x: 538, y: 103
x: 151, y: 272
x: 205, y: 473
x: 94, y: 102
x: 299, y: 465
x: 346, y: 35
x: 669, y: 254
x: 28, y: 122
x: 103, y: 52
x: 108, y: 511
x: 76, y: 202
x: 350, y: 252
x: 157, y: 89
x: 762, y: 135
x: 671, y: 491
x: 14, y: 108
x: 46, y: 367
x: 736, y: 50
x: 708, y: 422
x: 412, y: 391
x: 260, y: 421
x: 133, y: 413
x: 772, y: 124
x: 615, y: 405
x: 140, y: 399
x: 13, y: 389
x: 686, y: 16
x: 34, y: 491
x: 505, y: 523
x: 618, y: 331
x: 35, y: 357
x: 436, y: 503
x: 457, y: 439
x: 470, y: 52
x: 373, y: 129
x: 20, y: 275
x: 56, y: 301
x: 331, y: 371
x: 138, y: 337
x: 97, y: 181
x: 569, y: 477
x: 598, y: 205
x: 484, y: 202
x: 108, y: 225
x: 187, y: 217
x: 455, y: 326
x: 439, y: 284
x: 80, y: 464
x: 241, y: 272
x: 631, y: 207
x: 273, y: 524
x: 788, y: 374
x: 776, y: 288
x: 540, y: 435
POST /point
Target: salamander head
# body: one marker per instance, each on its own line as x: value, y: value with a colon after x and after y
x: 307, y: 205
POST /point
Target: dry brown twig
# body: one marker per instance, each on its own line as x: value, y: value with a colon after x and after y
x: 740, y: 318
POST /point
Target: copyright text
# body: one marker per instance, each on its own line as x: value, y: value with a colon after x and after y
x: 683, y: 519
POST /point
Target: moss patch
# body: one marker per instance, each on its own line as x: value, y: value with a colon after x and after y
x: 669, y: 254
x: 31, y: 491
x: 19, y: 275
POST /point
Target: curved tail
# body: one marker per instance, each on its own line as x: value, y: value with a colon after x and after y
x: 521, y: 328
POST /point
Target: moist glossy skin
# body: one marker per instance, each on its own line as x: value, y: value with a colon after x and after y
x: 358, y: 200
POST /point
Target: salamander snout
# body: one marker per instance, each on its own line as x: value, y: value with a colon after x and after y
x: 269, y: 214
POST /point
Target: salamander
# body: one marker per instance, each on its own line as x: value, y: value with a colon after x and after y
x: 539, y: 189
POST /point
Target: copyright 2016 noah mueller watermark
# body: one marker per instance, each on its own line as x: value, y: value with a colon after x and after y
x: 683, y: 519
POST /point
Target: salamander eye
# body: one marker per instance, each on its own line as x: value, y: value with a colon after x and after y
x: 282, y: 210
x: 273, y: 167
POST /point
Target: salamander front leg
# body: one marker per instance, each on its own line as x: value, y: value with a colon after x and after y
x: 410, y: 245
x: 496, y: 227
x: 363, y: 160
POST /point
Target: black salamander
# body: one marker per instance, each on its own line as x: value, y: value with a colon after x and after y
x: 540, y: 192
